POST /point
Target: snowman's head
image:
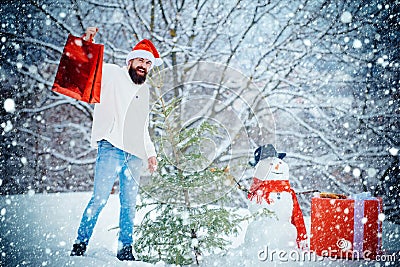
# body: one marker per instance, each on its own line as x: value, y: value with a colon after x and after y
x: 272, y: 168
x: 269, y: 164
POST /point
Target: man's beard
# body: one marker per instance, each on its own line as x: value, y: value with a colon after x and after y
x: 137, y: 79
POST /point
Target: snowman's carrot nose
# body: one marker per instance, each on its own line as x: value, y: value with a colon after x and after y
x: 276, y: 166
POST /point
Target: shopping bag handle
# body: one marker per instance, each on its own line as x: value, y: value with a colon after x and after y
x: 90, y: 36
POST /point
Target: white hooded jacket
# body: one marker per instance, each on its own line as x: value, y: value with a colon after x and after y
x: 121, y: 117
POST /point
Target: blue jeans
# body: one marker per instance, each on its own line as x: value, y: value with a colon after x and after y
x: 110, y: 163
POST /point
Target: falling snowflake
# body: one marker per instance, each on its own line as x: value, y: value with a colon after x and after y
x: 7, y: 126
x: 9, y: 105
x: 347, y: 169
x: 356, y: 172
x: 24, y: 160
x: 307, y: 42
x: 346, y: 17
x: 357, y: 44
x: 394, y: 151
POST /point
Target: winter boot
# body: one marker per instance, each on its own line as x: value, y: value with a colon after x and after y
x: 125, y: 254
x: 78, y: 249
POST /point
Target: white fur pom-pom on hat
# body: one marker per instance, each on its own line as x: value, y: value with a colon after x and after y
x: 145, y: 49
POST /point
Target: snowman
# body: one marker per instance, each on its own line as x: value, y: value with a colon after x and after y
x: 271, y: 191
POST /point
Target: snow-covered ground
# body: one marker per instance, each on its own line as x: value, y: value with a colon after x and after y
x: 39, y: 229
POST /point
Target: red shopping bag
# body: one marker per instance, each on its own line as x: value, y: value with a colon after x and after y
x: 79, y: 72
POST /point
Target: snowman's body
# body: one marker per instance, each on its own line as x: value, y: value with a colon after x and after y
x: 277, y: 231
x: 268, y: 233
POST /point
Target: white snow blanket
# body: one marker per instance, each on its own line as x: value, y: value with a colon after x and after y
x: 39, y: 229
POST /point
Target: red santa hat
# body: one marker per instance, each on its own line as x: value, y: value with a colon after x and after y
x: 145, y: 49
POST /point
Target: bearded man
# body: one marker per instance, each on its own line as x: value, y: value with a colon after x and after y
x: 120, y: 134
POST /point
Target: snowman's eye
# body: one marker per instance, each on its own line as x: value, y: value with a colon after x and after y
x: 271, y: 164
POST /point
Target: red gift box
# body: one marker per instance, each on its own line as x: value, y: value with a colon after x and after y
x: 346, y: 228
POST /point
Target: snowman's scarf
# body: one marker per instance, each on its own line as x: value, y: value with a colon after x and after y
x: 260, y: 190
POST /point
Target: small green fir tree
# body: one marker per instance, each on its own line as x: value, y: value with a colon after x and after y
x: 185, y: 201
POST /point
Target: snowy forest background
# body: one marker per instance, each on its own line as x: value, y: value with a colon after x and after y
x: 329, y: 71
